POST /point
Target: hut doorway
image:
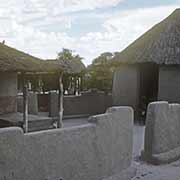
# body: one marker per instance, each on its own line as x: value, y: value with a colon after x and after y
x: 149, y: 75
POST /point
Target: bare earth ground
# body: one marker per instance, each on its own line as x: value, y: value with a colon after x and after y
x: 147, y: 171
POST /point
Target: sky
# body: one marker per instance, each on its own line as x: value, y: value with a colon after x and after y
x: 88, y: 27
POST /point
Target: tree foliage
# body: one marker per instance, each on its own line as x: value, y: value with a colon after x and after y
x: 72, y: 61
x: 67, y: 54
x: 99, y: 73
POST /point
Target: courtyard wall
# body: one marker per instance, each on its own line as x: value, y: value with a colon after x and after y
x: 101, y: 149
x: 85, y: 104
x: 8, y: 92
x: 32, y: 103
x: 162, y: 133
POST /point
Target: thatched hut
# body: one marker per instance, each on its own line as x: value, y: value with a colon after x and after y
x: 149, y: 69
x: 12, y: 64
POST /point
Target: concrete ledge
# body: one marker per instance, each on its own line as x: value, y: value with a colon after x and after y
x: 162, y: 158
x: 124, y: 175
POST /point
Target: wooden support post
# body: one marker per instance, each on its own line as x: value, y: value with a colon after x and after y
x: 75, y: 84
x: 71, y: 85
x: 81, y: 83
x: 73, y: 81
x: 78, y: 84
x: 25, y: 105
x: 60, y: 103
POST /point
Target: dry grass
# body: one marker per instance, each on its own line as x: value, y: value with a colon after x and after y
x: 161, y: 44
x: 14, y: 60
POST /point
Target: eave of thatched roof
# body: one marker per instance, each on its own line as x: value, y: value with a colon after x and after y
x: 13, y: 60
x: 74, y: 66
x: 161, y: 44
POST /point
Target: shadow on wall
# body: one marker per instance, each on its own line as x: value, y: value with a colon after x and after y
x: 101, y: 149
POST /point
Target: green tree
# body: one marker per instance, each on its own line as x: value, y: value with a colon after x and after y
x: 99, y: 73
x: 68, y: 57
x: 65, y: 54
x: 74, y: 65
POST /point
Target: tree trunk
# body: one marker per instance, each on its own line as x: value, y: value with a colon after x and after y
x: 25, y: 104
x: 60, y: 104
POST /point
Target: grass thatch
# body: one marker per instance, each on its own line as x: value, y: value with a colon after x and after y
x: 160, y: 45
x: 13, y: 60
x: 74, y: 66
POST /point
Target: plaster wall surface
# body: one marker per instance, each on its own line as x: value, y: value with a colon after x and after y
x: 8, y: 92
x: 32, y: 103
x: 126, y: 86
x: 162, y: 132
x: 99, y: 150
x: 86, y: 104
x: 169, y: 84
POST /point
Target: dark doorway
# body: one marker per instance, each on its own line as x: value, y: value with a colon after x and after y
x: 148, y: 92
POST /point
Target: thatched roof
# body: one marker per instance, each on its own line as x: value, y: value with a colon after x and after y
x: 13, y: 60
x: 161, y: 44
x: 74, y: 66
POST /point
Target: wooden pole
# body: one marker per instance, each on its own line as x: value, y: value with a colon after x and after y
x: 25, y: 104
x: 78, y: 84
x: 60, y: 103
x: 81, y: 83
x: 75, y: 84
x: 70, y: 90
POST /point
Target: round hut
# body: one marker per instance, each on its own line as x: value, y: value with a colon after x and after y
x: 14, y: 63
x: 149, y: 69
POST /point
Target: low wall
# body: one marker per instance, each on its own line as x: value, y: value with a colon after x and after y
x: 32, y: 103
x: 100, y: 150
x: 86, y: 104
x: 162, y: 133
x: 8, y: 92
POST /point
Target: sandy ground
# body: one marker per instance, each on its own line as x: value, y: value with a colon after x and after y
x: 147, y: 171
x: 74, y: 122
x: 163, y: 172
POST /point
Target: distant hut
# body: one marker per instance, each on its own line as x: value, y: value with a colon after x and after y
x: 12, y: 64
x: 73, y: 74
x: 149, y: 69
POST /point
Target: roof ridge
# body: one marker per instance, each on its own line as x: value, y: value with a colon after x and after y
x: 160, y: 44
